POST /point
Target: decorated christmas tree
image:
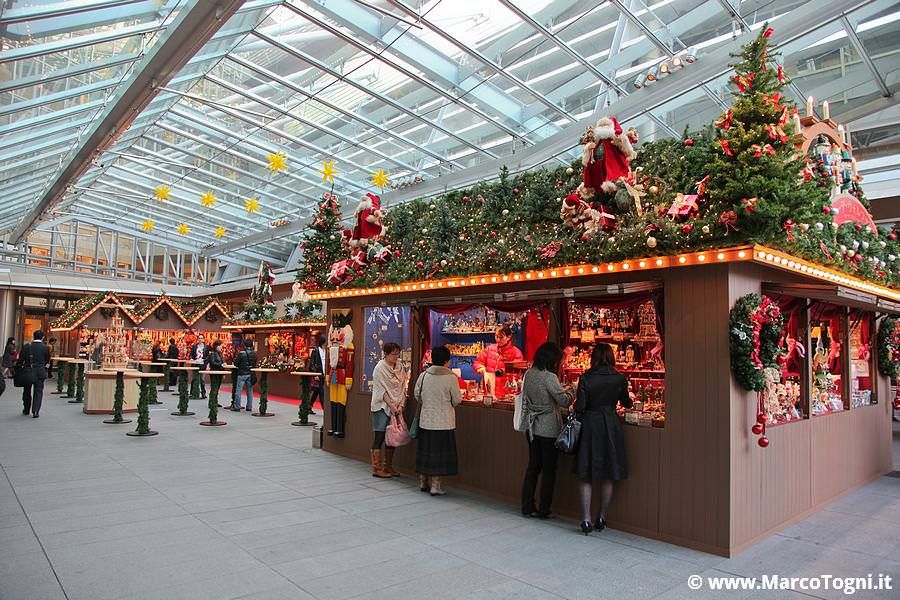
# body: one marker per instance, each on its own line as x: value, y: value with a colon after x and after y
x: 260, y: 307
x: 322, y: 246
x: 756, y: 177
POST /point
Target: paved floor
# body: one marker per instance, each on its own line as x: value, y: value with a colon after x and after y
x: 251, y: 511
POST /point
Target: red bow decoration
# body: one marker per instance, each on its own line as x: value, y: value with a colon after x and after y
x: 789, y: 226
x: 701, y: 186
x: 749, y: 204
x: 768, y: 32
x: 760, y: 150
x: 550, y: 250
x: 774, y: 99
x: 726, y: 148
x: 744, y: 81
x: 824, y: 250
x: 781, y: 77
x: 776, y: 132
x: 725, y: 121
x: 729, y: 220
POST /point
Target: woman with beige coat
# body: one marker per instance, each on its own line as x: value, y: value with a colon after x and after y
x: 437, y: 391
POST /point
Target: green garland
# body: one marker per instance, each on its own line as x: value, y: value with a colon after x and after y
x: 143, y: 420
x: 889, y: 347
x: 305, y: 395
x: 755, y: 328
x: 263, y: 392
x: 119, y: 397
x: 60, y: 374
x: 214, y: 382
x: 79, y: 384
x: 167, y: 371
x: 70, y: 380
x: 195, y: 385
x: 182, y: 392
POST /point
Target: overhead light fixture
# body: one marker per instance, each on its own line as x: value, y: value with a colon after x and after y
x: 639, y: 82
x: 690, y: 55
x: 677, y: 63
x: 652, y: 75
x: 664, y: 70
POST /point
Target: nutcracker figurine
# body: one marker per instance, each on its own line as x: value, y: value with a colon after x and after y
x: 339, y: 370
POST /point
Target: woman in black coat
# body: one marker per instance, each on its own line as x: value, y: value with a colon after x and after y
x: 601, y: 448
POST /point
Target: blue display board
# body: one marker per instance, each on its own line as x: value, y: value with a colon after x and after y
x: 385, y: 324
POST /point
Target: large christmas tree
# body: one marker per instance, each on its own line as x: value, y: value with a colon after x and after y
x: 322, y: 246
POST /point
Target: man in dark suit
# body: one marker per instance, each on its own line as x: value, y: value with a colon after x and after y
x: 172, y: 352
x: 200, y: 358
x: 36, y: 358
x: 317, y: 365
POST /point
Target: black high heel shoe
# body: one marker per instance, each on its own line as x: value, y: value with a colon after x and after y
x: 586, y: 527
x: 600, y: 524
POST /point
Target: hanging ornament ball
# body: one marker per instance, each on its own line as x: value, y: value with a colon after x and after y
x: 444, y: 262
x: 653, y: 189
x: 858, y: 226
x: 834, y: 211
x: 892, y: 236
x: 689, y: 142
x: 851, y: 253
x: 820, y: 226
x: 462, y: 237
x: 882, y: 243
x: 855, y: 244
x: 424, y: 230
x: 611, y: 240
x: 843, y: 249
x: 687, y: 228
x: 331, y: 237
x: 763, y: 442
x: 569, y: 171
x: 858, y: 258
x: 431, y: 207
x: 493, y: 234
x: 420, y: 264
x: 892, y: 257
x: 761, y: 418
x: 757, y: 429
x: 804, y: 226
x: 705, y: 229
x: 826, y: 209
x: 505, y: 211
x: 651, y: 242
x: 865, y: 245
x: 515, y: 190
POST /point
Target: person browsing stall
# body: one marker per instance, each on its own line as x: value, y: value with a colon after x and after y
x: 438, y: 395
x: 200, y: 356
x: 491, y: 363
x: 388, y: 398
x: 172, y: 353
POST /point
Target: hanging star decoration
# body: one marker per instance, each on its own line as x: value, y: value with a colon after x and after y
x: 251, y: 205
x: 380, y: 178
x: 328, y: 171
x: 208, y: 199
x: 162, y: 193
x: 220, y: 232
x: 148, y: 225
x: 183, y: 229
x: 277, y: 162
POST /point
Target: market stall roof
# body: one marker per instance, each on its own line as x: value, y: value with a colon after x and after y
x: 834, y: 294
x: 426, y: 92
x: 79, y: 312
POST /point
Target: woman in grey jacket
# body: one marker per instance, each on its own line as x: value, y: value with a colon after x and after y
x: 437, y: 391
x: 542, y: 398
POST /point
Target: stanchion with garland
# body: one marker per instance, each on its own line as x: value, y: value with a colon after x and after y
x: 148, y: 383
x: 195, y: 387
x: 234, y: 390
x: 153, y: 397
x: 118, y: 400
x: 215, y: 381
x: 756, y: 326
x: 70, y: 380
x: 264, y: 392
x: 60, y: 374
x: 305, y: 396
x: 182, y: 393
x: 79, y: 381
x: 167, y: 372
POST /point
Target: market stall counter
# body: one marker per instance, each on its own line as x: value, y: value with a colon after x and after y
x: 100, y: 392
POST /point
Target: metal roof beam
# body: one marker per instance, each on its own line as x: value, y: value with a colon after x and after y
x: 58, y: 96
x: 50, y: 117
x: 58, y: 9
x: 866, y: 58
x: 195, y: 24
x: 73, y: 71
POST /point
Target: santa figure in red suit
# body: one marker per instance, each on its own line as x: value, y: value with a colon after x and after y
x: 607, y: 152
x: 368, y: 226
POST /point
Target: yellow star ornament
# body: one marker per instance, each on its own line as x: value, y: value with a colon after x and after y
x: 380, y: 178
x: 148, y: 225
x: 162, y: 193
x: 208, y: 199
x: 220, y: 232
x: 277, y: 162
x: 183, y: 229
x: 251, y: 205
x: 328, y: 171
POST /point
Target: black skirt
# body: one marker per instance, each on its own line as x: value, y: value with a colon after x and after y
x: 601, y: 447
x: 436, y: 452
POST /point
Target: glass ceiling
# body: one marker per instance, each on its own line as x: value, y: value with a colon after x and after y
x: 419, y: 89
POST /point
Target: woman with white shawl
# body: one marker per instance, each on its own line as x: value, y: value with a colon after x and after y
x: 388, y: 398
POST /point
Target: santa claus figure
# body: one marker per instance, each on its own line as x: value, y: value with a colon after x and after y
x: 607, y: 152
x: 368, y: 226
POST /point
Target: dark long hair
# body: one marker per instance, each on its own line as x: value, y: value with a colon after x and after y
x: 602, y: 356
x: 547, y: 357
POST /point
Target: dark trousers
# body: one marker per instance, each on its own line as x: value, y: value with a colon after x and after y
x: 338, y: 414
x: 202, y: 384
x: 33, y: 397
x: 542, y: 459
x: 318, y: 392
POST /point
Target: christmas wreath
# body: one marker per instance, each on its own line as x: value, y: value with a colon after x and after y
x: 889, y: 347
x: 756, y: 326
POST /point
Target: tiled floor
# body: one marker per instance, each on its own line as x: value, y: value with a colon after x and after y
x: 251, y: 511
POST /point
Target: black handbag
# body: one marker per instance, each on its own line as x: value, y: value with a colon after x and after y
x: 23, y: 372
x: 567, y: 440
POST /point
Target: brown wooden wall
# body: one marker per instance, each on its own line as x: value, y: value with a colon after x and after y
x: 808, y: 463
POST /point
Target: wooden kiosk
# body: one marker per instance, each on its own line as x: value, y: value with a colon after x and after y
x: 701, y: 480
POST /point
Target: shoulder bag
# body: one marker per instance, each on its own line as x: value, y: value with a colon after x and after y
x: 567, y: 440
x: 519, y: 422
x: 414, y: 427
x: 23, y: 372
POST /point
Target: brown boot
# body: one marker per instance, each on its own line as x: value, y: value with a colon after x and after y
x: 377, y: 471
x: 436, y: 489
x: 423, y: 483
x: 389, y: 462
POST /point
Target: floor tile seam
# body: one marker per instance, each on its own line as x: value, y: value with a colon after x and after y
x: 830, y: 546
x: 34, y: 533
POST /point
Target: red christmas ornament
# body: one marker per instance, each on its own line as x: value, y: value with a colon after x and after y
x: 515, y: 190
x: 858, y: 226
x: 420, y: 265
x: 892, y: 236
x: 761, y: 418
x: 689, y: 142
x: 757, y: 429
x: 857, y: 258
x: 687, y: 228
x: 768, y: 32
x: 763, y: 442
x: 826, y: 209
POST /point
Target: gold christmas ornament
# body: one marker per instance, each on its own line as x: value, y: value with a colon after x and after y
x: 651, y: 242
x: 653, y: 189
x: 277, y: 162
